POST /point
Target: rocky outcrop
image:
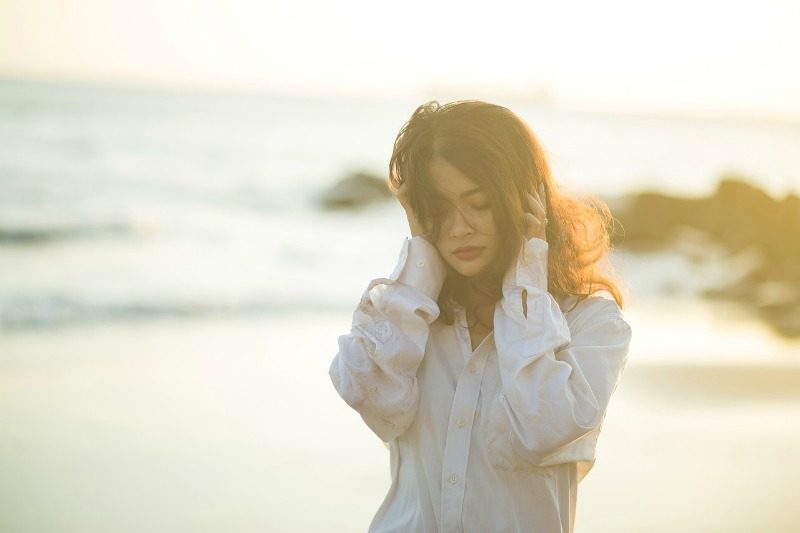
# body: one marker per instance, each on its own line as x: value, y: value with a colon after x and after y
x: 355, y: 190
x: 755, y: 229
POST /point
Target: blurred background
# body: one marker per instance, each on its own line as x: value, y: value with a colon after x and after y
x: 191, y: 204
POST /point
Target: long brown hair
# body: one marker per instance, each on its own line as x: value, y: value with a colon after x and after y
x: 501, y: 154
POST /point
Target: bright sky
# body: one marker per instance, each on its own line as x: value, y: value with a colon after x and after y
x: 678, y: 54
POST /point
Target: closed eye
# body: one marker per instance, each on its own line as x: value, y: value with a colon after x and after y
x: 441, y: 210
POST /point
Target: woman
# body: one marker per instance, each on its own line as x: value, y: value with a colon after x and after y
x: 487, y: 359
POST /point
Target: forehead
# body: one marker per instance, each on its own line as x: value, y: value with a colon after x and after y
x: 448, y: 180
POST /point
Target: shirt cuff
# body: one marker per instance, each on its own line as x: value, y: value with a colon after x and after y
x: 530, y: 268
x: 420, y: 266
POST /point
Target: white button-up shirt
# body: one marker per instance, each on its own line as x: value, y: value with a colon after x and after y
x: 490, y: 440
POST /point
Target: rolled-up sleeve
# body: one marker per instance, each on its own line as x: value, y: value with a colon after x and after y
x: 556, y: 383
x: 375, y: 368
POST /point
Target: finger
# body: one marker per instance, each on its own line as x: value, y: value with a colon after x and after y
x: 543, y: 199
x: 402, y: 192
x: 536, y: 206
x: 536, y: 196
x: 533, y: 226
x: 532, y: 222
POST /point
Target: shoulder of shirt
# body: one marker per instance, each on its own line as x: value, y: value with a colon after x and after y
x: 597, y: 304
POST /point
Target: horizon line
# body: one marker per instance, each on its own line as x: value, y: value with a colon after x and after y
x: 538, y: 94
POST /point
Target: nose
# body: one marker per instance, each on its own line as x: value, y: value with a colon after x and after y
x: 459, y: 225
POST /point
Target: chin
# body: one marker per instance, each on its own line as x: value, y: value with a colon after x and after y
x: 468, y: 271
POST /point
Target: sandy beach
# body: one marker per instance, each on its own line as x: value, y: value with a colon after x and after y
x: 214, y: 425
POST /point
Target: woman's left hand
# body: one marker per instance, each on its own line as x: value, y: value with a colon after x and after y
x: 536, y: 214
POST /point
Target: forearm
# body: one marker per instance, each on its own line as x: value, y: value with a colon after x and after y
x: 375, y: 368
x: 555, y: 383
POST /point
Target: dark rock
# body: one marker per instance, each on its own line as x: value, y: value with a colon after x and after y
x: 355, y: 190
x: 747, y: 222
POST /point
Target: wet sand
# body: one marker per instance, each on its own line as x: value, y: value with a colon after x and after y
x: 234, y: 426
x: 697, y: 448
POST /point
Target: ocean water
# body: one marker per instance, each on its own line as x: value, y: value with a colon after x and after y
x: 131, y: 204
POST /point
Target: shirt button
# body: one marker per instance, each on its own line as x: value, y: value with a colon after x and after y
x: 453, y: 479
x: 471, y: 369
x: 461, y: 423
x: 373, y: 388
x: 420, y: 263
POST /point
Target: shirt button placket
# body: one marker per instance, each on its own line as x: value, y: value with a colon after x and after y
x: 457, y: 447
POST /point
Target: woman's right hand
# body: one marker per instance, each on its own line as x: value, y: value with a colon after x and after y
x: 413, y: 223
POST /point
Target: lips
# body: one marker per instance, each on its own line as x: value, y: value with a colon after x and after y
x: 468, y: 252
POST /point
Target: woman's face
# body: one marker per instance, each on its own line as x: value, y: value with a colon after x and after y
x: 467, y: 220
